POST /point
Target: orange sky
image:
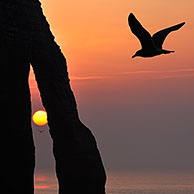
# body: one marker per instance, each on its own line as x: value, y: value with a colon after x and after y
x: 96, y: 40
x: 98, y: 44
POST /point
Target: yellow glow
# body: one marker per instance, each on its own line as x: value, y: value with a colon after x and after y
x: 40, y: 118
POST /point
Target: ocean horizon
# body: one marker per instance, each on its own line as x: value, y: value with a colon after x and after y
x: 129, y: 183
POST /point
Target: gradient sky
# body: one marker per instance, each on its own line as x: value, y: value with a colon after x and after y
x: 140, y: 110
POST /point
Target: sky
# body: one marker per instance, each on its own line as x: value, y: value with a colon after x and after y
x: 141, y: 111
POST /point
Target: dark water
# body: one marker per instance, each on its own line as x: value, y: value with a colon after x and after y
x: 129, y: 183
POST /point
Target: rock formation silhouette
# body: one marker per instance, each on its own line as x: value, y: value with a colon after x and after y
x: 25, y: 38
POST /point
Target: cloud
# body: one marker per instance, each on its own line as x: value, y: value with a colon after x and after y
x: 139, y: 74
x: 88, y: 77
x: 163, y: 74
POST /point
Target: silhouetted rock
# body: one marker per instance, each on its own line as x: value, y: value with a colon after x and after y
x: 25, y: 38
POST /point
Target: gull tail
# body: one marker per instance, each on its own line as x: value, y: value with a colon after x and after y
x: 167, y: 52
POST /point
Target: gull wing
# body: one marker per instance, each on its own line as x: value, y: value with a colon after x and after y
x: 141, y: 33
x: 160, y: 36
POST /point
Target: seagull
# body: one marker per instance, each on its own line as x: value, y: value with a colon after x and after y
x: 151, y: 45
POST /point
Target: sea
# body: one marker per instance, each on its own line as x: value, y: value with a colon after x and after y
x: 129, y: 183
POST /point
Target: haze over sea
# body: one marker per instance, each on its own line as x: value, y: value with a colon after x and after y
x: 130, y: 183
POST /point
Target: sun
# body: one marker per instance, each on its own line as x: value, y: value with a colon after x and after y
x: 40, y: 118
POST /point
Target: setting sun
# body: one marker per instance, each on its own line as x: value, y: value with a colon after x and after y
x: 40, y: 118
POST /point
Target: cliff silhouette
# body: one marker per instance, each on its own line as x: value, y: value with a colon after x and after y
x: 25, y: 38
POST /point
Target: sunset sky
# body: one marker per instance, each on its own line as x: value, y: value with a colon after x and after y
x: 140, y: 110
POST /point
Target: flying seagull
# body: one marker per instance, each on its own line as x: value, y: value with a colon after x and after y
x: 151, y: 45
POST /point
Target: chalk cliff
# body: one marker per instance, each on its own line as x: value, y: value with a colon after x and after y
x: 25, y: 38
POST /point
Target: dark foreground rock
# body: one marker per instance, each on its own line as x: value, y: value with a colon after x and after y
x: 25, y: 38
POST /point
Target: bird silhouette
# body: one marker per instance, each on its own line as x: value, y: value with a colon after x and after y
x: 151, y: 45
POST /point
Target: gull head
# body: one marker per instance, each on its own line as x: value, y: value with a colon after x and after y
x: 138, y: 53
